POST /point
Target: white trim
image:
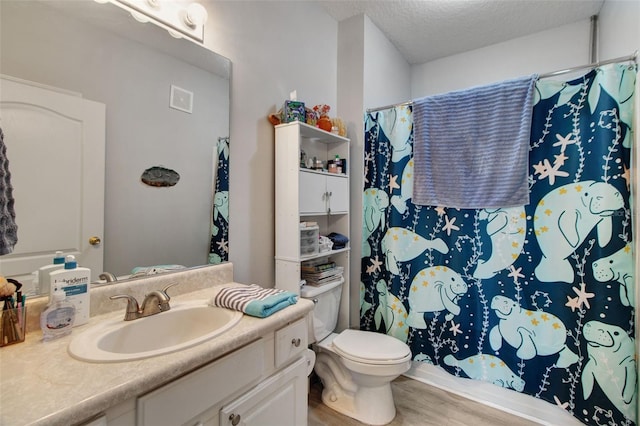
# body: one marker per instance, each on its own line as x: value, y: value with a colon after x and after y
x: 41, y: 85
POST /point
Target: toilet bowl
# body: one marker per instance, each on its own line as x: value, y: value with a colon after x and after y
x: 356, y: 378
x: 356, y: 367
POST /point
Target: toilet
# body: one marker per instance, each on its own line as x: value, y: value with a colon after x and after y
x: 356, y: 367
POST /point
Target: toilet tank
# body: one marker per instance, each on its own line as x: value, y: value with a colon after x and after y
x: 326, y: 299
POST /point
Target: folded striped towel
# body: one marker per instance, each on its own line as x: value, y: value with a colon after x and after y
x: 254, y: 300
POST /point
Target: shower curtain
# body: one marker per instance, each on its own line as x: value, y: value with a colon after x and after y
x: 538, y: 299
x: 219, y: 249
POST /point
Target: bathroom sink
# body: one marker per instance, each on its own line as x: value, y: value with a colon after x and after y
x: 185, y: 325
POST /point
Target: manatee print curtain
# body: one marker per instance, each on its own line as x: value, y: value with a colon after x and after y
x: 219, y: 250
x: 538, y: 299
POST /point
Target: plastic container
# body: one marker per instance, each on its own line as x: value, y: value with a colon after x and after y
x: 309, y: 240
x: 44, y: 273
x: 74, y: 281
x: 338, y: 163
x: 58, y: 319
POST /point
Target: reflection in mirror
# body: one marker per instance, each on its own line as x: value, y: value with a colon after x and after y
x: 99, y: 54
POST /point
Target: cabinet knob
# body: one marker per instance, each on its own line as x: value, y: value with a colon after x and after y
x: 234, y: 419
x: 296, y: 342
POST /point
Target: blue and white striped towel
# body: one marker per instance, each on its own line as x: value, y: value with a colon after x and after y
x: 254, y: 300
x: 471, y: 147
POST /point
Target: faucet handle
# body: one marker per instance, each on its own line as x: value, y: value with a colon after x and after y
x: 133, y: 309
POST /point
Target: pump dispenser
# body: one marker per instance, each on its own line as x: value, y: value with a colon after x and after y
x: 338, y: 163
x: 56, y: 321
x: 74, y: 281
x: 44, y: 273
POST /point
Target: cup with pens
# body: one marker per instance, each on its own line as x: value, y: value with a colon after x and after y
x: 13, y: 319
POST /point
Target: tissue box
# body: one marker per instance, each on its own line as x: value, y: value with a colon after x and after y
x: 293, y: 111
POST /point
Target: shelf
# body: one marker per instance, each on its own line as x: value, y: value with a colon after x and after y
x: 322, y: 214
x: 315, y: 133
x: 324, y: 173
x: 323, y: 254
x: 304, y: 194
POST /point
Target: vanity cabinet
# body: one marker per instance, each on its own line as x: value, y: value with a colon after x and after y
x: 308, y: 195
x: 262, y: 383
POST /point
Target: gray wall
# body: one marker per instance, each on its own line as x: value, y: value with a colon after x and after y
x: 275, y: 47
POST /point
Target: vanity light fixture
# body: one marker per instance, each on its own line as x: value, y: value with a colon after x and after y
x: 181, y: 18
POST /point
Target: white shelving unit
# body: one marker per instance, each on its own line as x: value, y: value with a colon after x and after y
x: 306, y: 195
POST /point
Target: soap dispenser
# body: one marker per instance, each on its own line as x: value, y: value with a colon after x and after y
x: 74, y: 281
x: 44, y: 272
x: 56, y: 321
x: 338, y: 163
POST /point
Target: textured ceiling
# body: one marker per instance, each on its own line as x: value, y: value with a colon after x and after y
x: 424, y: 30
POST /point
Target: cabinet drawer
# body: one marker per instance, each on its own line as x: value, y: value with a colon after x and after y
x: 194, y: 393
x: 290, y: 341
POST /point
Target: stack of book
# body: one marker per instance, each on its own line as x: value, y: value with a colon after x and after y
x: 318, y: 272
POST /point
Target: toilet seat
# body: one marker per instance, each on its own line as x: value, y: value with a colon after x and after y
x: 368, y: 347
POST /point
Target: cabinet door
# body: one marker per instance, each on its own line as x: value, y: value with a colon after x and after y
x: 280, y: 400
x: 313, y: 188
x: 338, y: 189
x: 195, y: 393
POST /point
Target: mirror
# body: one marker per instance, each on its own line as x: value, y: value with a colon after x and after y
x: 100, y: 52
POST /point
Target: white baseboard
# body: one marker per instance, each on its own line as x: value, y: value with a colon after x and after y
x: 525, y: 406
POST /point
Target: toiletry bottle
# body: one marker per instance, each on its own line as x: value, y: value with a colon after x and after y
x: 57, y: 320
x: 44, y: 280
x: 74, y: 281
x: 338, y: 163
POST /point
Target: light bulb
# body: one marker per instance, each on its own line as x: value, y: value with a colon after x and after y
x: 174, y: 33
x: 139, y: 17
x: 196, y: 15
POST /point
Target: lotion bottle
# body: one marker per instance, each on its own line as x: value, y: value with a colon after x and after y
x: 74, y: 281
x: 44, y: 280
x: 56, y: 321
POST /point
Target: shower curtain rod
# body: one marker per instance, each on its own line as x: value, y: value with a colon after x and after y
x: 633, y: 57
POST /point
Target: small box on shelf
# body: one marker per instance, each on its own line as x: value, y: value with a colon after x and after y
x: 309, y: 240
x: 293, y: 111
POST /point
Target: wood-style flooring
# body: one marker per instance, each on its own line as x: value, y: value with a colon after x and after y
x: 418, y: 404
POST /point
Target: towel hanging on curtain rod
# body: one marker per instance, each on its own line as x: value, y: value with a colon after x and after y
x: 633, y: 57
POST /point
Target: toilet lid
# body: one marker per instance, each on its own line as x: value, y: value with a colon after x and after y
x: 372, y: 348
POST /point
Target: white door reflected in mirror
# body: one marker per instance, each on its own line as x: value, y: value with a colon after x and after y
x: 58, y: 185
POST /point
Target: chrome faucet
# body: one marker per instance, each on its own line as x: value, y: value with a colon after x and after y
x: 108, y: 277
x: 154, y: 302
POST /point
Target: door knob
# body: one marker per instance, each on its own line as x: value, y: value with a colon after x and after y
x: 234, y: 419
x: 95, y: 241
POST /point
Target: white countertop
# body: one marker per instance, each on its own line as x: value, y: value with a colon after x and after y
x: 40, y: 383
